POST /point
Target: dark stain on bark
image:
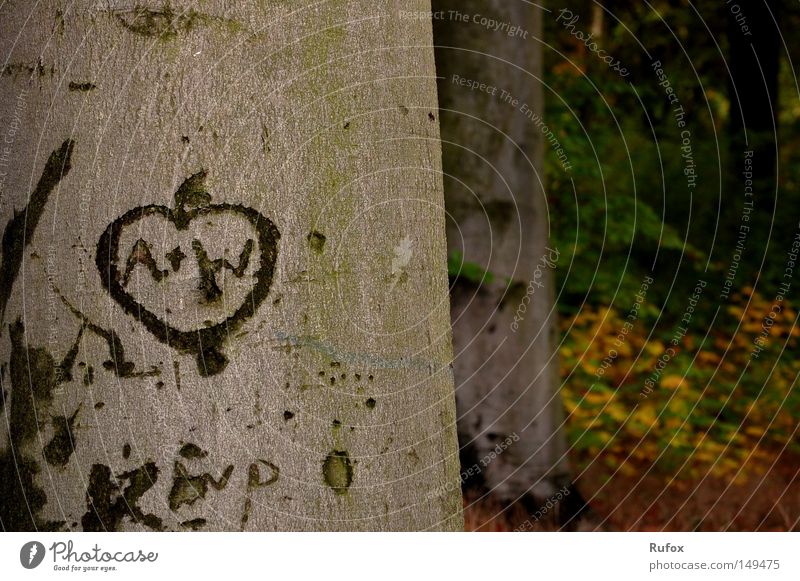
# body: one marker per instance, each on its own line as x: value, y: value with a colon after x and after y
x: 141, y: 254
x: 265, y: 146
x: 209, y: 269
x: 58, y: 25
x: 254, y: 482
x: 175, y: 257
x: 108, y: 503
x: 64, y: 369
x: 37, y: 70
x: 316, y: 240
x: 81, y: 87
x: 20, y: 229
x: 337, y: 471
x: 192, y: 451
x: 118, y: 364
x: 189, y: 488
x: 33, y: 377
x: 59, y: 449
x: 88, y: 376
x: 166, y: 23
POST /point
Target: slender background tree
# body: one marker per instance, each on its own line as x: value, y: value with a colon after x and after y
x: 506, y: 366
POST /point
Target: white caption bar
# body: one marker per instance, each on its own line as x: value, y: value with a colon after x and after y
x: 371, y: 556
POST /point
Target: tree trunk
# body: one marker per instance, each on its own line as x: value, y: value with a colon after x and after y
x: 224, y: 295
x: 504, y: 326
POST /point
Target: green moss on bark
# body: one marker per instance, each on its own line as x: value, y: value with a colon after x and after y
x: 337, y: 471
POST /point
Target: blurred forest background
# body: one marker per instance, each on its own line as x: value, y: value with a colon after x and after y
x: 690, y: 420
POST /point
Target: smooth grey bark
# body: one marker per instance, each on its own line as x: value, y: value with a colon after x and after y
x: 223, y: 282
x: 504, y: 331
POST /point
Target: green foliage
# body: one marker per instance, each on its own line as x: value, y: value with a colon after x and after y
x: 624, y: 204
x: 458, y: 268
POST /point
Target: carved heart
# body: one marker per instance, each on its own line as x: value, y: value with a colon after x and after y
x: 193, y: 209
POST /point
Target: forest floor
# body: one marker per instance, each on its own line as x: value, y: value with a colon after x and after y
x: 765, y: 496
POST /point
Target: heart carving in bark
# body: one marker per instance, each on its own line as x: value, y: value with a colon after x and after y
x: 213, y: 296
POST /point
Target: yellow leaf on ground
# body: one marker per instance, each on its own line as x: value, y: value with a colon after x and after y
x: 672, y: 381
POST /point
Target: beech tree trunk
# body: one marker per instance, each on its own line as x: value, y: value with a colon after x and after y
x: 490, y: 66
x: 224, y: 298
